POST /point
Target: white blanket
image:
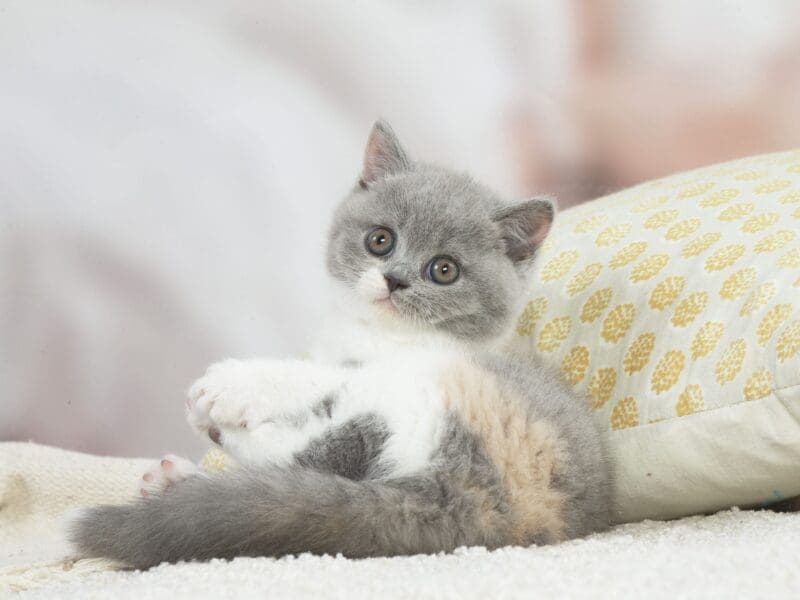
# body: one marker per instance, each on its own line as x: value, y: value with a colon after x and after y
x: 730, y: 554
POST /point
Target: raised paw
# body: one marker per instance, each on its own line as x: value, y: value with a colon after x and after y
x: 165, y: 473
x: 226, y: 397
x: 237, y: 396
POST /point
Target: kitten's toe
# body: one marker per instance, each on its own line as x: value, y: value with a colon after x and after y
x: 165, y: 473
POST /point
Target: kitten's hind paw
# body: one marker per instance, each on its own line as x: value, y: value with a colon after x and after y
x: 165, y: 473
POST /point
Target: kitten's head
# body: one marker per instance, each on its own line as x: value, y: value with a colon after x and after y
x: 427, y: 247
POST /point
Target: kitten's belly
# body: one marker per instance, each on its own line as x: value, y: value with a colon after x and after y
x: 417, y: 391
x: 406, y: 393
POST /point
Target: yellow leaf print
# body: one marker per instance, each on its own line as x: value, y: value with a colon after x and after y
x: 689, y: 401
x: 638, y: 354
x: 625, y: 414
x: 617, y: 323
x: 796, y: 214
x: 771, y: 321
x: 750, y: 175
x: 583, y: 279
x: 772, y: 186
x: 737, y: 284
x: 700, y: 244
x: 596, y: 304
x: 611, y: 235
x: 696, y: 189
x: 575, y: 364
x: 601, y: 386
x: 788, y: 341
x: 649, y: 267
x: 760, y: 222
x: 730, y: 363
x: 724, y: 257
x: 215, y: 460
x: 559, y: 266
x: 737, y: 211
x: 706, y: 339
x: 774, y: 241
x: 553, y: 333
x: 758, y: 385
x: 649, y: 204
x: 794, y: 168
x: 758, y: 298
x: 790, y: 259
x: 591, y: 223
x: 682, y: 229
x: 689, y: 308
x: 667, y: 371
x: 534, y: 311
x: 661, y: 218
x: 666, y: 292
x: 719, y: 197
x: 790, y: 198
x: 627, y: 255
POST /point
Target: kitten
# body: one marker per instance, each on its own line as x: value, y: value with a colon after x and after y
x: 409, y: 433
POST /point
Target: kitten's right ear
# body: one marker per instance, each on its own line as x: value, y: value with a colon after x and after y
x: 384, y: 155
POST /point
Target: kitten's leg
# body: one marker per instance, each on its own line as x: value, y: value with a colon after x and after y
x: 264, y: 411
x: 351, y: 449
x: 269, y: 412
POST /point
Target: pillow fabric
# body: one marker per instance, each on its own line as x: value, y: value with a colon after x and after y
x: 675, y: 307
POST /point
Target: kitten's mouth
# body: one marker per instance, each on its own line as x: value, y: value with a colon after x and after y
x: 386, y: 304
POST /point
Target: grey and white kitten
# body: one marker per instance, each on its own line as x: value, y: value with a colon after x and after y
x: 409, y: 432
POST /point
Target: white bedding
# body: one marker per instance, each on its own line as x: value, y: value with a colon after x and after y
x: 733, y: 554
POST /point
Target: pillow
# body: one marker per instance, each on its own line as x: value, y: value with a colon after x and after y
x: 675, y: 307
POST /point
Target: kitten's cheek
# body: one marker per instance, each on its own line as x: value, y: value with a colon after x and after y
x: 371, y: 286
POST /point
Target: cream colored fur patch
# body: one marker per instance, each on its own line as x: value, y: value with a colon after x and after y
x: 526, y: 451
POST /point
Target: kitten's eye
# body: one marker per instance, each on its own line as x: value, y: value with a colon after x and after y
x: 380, y: 241
x: 443, y: 270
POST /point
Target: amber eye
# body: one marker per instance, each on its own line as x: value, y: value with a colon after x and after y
x: 380, y: 241
x: 443, y: 270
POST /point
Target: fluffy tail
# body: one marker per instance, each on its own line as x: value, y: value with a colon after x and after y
x: 285, y: 511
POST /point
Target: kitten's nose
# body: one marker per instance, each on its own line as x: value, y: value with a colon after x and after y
x: 393, y: 283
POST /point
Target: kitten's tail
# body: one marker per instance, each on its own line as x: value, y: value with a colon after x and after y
x: 281, y: 511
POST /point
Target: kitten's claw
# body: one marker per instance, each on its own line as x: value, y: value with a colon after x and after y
x: 215, y: 435
x: 164, y: 474
x: 224, y: 397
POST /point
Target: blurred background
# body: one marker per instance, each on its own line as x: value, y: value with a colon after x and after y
x: 167, y: 168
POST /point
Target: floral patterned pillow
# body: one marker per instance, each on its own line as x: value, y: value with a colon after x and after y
x: 675, y: 307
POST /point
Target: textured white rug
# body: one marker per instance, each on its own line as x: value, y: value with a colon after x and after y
x: 733, y: 554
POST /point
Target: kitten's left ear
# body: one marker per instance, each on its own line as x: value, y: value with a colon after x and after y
x: 383, y: 156
x: 524, y: 226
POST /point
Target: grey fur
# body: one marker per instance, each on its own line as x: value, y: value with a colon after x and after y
x: 337, y: 496
x: 584, y: 479
x: 435, y: 211
x: 458, y: 500
x: 324, y: 408
x: 350, y: 450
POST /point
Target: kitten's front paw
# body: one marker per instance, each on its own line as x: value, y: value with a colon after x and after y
x: 165, y: 473
x: 220, y: 398
x: 236, y: 396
